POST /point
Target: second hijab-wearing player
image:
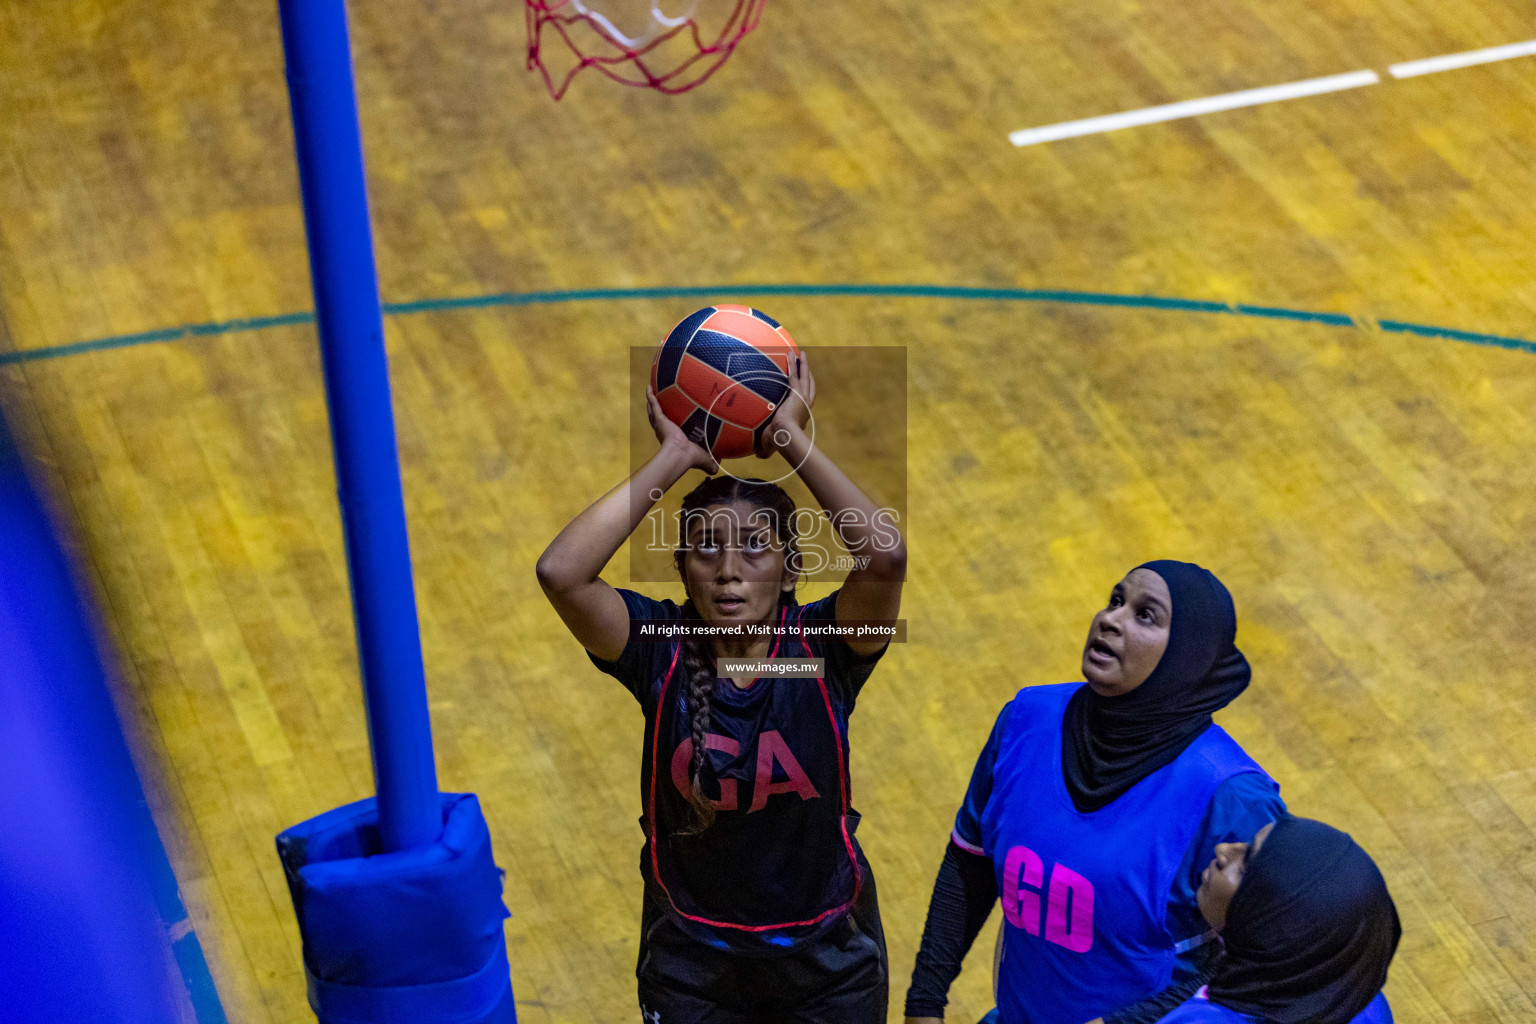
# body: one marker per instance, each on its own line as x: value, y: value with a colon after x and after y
x: 1308, y: 930
x: 759, y: 906
x: 1094, y: 808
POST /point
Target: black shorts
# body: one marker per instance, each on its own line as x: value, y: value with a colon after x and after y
x: 841, y: 978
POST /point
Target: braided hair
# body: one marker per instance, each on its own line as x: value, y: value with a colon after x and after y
x: 698, y: 659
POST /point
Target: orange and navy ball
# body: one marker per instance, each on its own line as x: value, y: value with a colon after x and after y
x: 720, y: 375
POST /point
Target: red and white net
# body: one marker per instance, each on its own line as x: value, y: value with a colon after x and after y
x: 668, y: 45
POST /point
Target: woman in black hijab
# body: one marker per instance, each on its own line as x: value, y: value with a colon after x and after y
x: 1308, y: 930
x: 1092, y: 810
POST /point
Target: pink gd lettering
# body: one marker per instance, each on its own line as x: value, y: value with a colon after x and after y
x: 1069, y: 901
x: 1069, y: 889
x: 1021, y: 907
x: 771, y: 749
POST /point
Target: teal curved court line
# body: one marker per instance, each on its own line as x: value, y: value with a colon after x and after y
x: 923, y: 291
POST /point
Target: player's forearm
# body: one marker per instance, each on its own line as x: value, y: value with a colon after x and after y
x: 963, y: 896
x: 863, y: 528
x: 578, y: 554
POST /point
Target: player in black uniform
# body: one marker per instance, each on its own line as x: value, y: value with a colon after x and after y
x: 759, y: 906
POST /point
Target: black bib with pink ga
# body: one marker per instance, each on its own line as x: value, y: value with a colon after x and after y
x: 778, y: 866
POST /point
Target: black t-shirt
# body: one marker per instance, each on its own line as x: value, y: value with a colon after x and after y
x: 778, y: 866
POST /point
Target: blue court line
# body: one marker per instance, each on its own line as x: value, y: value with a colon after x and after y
x: 922, y: 291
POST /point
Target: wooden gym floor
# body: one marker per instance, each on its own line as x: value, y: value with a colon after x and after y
x: 1366, y: 493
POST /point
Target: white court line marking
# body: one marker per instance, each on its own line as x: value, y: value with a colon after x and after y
x: 1452, y: 61
x: 1190, y: 108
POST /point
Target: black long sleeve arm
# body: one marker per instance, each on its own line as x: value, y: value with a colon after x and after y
x: 963, y: 896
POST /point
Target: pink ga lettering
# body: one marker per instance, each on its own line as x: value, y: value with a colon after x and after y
x: 771, y: 750
x: 683, y: 756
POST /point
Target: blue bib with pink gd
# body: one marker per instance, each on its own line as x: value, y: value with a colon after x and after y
x: 1085, y: 895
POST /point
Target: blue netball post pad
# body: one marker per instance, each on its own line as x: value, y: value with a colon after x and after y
x: 400, y: 938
